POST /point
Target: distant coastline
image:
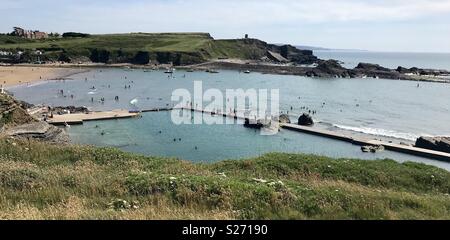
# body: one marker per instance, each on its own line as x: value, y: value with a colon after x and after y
x: 199, y: 51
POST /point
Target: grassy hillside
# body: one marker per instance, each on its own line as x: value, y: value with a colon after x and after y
x: 40, y: 181
x: 180, y: 48
x: 151, y: 42
x: 5, y: 39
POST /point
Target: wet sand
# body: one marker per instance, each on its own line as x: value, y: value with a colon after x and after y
x: 16, y: 75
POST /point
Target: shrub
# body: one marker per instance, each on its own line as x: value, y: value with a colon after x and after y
x: 75, y: 34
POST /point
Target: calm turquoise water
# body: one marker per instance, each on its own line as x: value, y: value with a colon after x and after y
x: 391, y: 109
x: 154, y: 135
x: 389, y: 59
x: 380, y: 107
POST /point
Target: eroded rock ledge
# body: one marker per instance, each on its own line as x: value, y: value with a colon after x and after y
x: 333, y: 69
x: 441, y: 144
x: 39, y: 131
x: 16, y: 122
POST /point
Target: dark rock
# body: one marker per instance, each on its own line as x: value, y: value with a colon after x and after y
x: 324, y: 69
x: 372, y: 149
x: 297, y: 56
x: 305, y: 120
x: 253, y: 124
x: 311, y: 74
x: 371, y: 67
x: 377, y: 71
x: 365, y: 148
x: 284, y: 118
x: 444, y: 144
x: 414, y: 69
x: 433, y: 72
x: 179, y: 58
x: 441, y: 144
x: 421, y: 71
x: 330, y: 68
x: 403, y: 70
x: 141, y: 57
x: 72, y: 109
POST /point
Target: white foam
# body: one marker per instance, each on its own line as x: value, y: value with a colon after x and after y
x: 380, y: 132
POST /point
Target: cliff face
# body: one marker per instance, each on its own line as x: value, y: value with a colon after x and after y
x: 16, y: 122
x: 297, y: 56
x: 289, y: 52
x: 12, y: 112
x: 145, y: 48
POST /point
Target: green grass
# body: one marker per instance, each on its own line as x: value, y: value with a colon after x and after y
x: 236, y: 49
x: 185, y: 48
x: 150, y: 42
x: 41, y: 181
x: 10, y: 40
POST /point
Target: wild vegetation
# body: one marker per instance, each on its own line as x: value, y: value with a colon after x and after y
x: 42, y: 181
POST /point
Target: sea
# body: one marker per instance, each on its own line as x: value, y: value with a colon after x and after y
x: 393, y: 110
x: 351, y: 58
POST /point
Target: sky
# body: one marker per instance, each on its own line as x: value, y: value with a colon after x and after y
x: 378, y: 25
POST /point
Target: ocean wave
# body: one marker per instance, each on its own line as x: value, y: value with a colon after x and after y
x: 380, y: 132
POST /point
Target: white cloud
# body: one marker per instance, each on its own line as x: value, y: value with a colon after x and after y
x: 244, y: 12
x: 282, y: 11
x: 294, y: 21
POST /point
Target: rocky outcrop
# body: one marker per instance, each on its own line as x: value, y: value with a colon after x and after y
x: 253, y: 124
x: 296, y: 55
x: 12, y: 112
x: 276, y: 57
x: 441, y: 144
x: 284, y: 118
x: 371, y: 67
x: 305, y: 120
x: 276, y: 53
x: 420, y: 71
x: 432, y: 72
x: 71, y: 109
x: 16, y: 122
x: 375, y: 71
x: 404, y: 70
x: 372, y: 149
x: 330, y: 68
x: 39, y: 131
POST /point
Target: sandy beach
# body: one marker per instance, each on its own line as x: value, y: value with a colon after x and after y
x: 16, y: 75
